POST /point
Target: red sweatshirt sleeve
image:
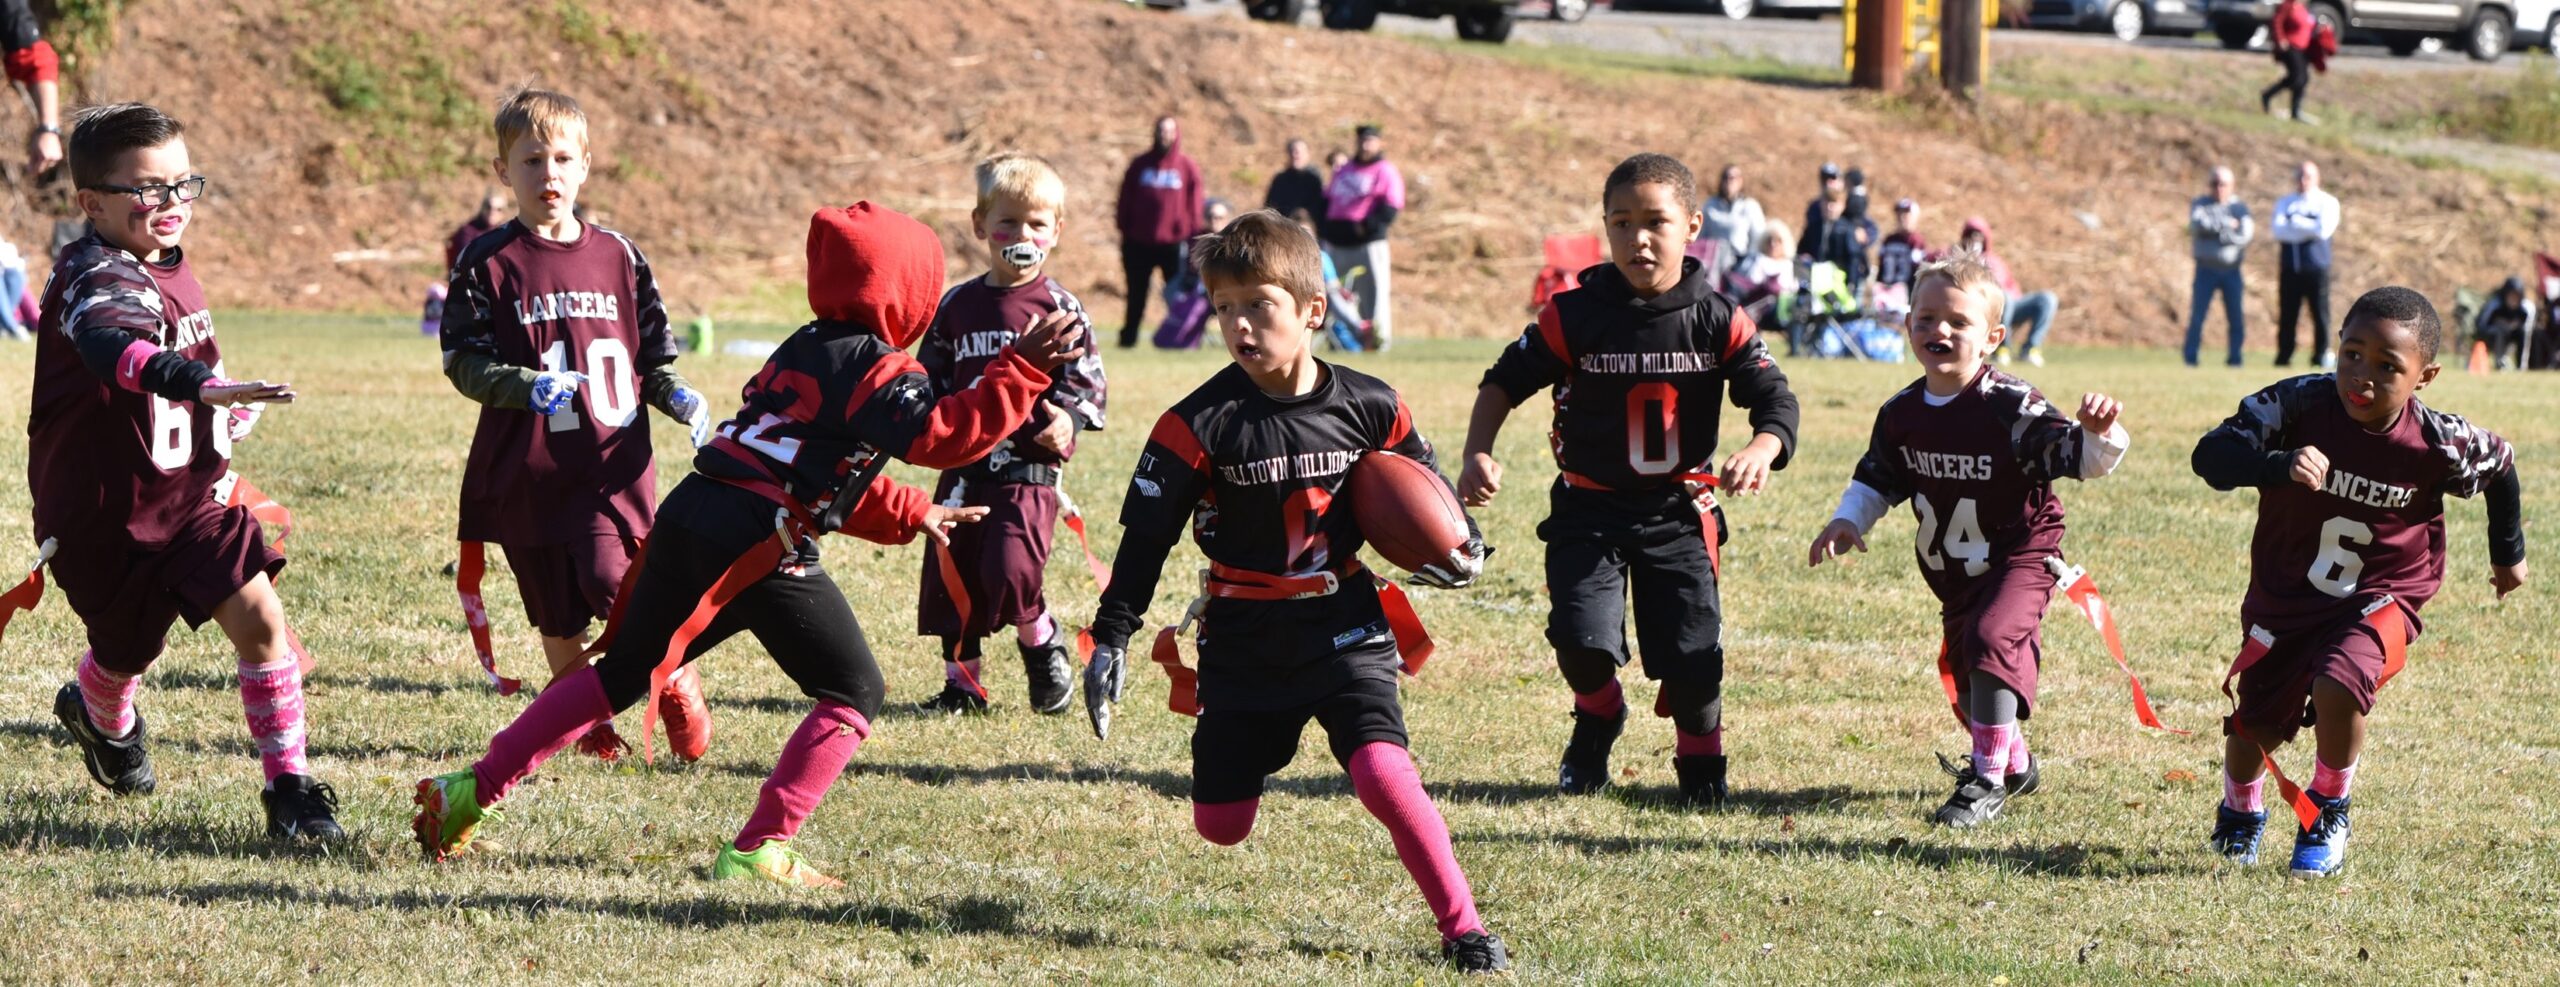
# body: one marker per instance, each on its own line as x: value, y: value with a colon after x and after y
x: 889, y: 512
x: 34, y: 63
x: 966, y: 424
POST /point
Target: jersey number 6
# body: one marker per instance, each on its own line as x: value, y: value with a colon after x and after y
x: 2337, y: 568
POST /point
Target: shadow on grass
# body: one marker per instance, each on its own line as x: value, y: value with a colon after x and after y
x: 2079, y: 860
x: 1169, y: 784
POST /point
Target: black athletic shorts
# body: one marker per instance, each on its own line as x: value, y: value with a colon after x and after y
x: 1234, y: 751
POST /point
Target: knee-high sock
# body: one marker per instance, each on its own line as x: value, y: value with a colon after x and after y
x: 1686, y: 744
x: 108, y: 695
x: 1991, y: 742
x: 1609, y: 700
x: 2249, y: 796
x: 2328, y: 782
x: 810, y: 763
x: 1225, y: 823
x: 271, y: 695
x: 2018, y: 746
x: 562, y: 713
x: 1384, y: 776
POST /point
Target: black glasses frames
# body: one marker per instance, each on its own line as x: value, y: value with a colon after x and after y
x: 155, y: 196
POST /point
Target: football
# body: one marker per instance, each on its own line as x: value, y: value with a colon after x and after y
x: 1405, y: 510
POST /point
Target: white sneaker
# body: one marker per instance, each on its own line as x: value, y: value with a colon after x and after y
x: 2034, y: 359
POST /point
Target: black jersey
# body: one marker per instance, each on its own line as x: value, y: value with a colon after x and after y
x: 1638, y: 381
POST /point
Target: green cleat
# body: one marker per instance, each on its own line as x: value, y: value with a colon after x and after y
x: 449, y: 814
x: 775, y: 861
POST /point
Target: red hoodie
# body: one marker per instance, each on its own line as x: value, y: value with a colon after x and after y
x: 1999, y: 268
x: 1160, y: 197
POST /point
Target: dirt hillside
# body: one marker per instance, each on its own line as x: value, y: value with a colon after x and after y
x: 347, y: 137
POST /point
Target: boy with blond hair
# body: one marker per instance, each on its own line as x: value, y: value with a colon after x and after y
x: 1976, y: 452
x: 555, y: 327
x: 989, y: 576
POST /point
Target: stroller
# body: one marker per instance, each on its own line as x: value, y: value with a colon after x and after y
x: 1186, y: 312
x: 1344, y: 329
x: 1824, y: 318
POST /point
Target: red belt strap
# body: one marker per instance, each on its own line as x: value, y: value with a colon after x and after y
x: 2388, y: 622
x: 1413, y: 642
x: 24, y: 596
x: 1184, y: 697
x: 1074, y: 518
x: 751, y: 566
x: 2082, y: 591
x: 952, y: 586
x: 475, y: 614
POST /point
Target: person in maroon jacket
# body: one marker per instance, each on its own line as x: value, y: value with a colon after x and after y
x: 130, y: 428
x: 990, y: 575
x: 493, y: 210
x: 2291, y: 33
x: 555, y: 327
x: 736, y: 544
x: 1159, y: 212
x: 1976, y: 452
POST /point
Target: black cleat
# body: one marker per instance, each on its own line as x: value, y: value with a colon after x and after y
x: 122, y: 766
x: 2024, y: 782
x: 1975, y: 800
x: 955, y: 700
x: 1476, y: 952
x: 1586, y: 756
x: 1052, y: 677
x: 1701, y: 779
x: 299, y: 808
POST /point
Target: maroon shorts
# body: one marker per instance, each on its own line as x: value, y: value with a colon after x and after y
x: 127, y: 595
x: 2273, y: 695
x: 1999, y: 631
x: 569, y: 585
x: 1001, y: 559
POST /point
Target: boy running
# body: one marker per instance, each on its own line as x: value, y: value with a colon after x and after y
x: 555, y: 327
x: 1976, y: 452
x: 736, y: 548
x: 131, y: 427
x: 1292, y: 630
x: 1638, y: 358
x: 2351, y: 471
x: 999, y: 562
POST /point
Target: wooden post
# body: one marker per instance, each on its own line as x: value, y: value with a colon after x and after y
x: 1881, y: 34
x: 1961, y: 38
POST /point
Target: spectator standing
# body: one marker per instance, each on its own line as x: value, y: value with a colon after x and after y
x: 2291, y: 34
x: 1361, y: 205
x: 34, y: 69
x: 2221, y: 227
x: 1159, y: 212
x: 1299, y: 186
x: 1903, y: 250
x: 1734, y: 220
x: 493, y: 209
x: 1817, y: 226
x: 2303, y: 225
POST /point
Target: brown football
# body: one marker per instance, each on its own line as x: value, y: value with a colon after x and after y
x: 1405, y: 511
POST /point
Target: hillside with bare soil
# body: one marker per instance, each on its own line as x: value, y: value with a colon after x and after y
x: 347, y: 137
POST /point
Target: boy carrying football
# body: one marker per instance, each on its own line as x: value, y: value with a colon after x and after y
x: 1638, y: 358
x: 2351, y: 471
x: 735, y: 548
x: 999, y: 561
x: 1976, y: 452
x: 1253, y: 461
x: 555, y: 327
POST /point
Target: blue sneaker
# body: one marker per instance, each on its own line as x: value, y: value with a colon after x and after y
x: 2235, y: 833
x: 2320, y: 850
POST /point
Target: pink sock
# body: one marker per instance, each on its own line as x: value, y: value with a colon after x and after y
x: 811, y: 760
x: 1384, y: 777
x: 965, y: 675
x: 2331, y: 783
x: 1991, y: 745
x: 2018, y: 746
x: 108, y: 695
x: 271, y: 695
x: 2245, y: 796
x: 1037, y: 631
x: 1686, y: 744
x: 562, y: 713
x: 1608, y: 701
x: 1225, y: 823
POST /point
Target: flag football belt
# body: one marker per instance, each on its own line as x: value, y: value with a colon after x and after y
x: 29, y: 591
x: 1413, y: 641
x: 1701, y: 487
x: 1019, y: 471
x: 2389, y: 623
x: 956, y: 588
x: 233, y: 490
x: 2082, y: 592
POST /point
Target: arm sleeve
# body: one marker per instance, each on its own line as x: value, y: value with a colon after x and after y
x: 2506, y: 519
x: 113, y: 320
x: 1135, y: 569
x: 2047, y: 444
x: 1861, y: 506
x: 2248, y: 449
x: 1172, y: 472
x: 889, y: 512
x: 2105, y: 452
x: 657, y: 356
x: 657, y: 388
x: 900, y: 414
x: 1534, y: 362
x: 1079, y: 386
x: 2330, y: 216
x: 1759, y: 387
x: 469, y: 336
x: 2248, y: 229
x: 33, y: 64
x: 1381, y: 217
x: 492, y: 381
x: 933, y: 352
x: 2202, y: 222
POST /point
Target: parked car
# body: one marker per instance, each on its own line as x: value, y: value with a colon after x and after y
x: 1478, y: 20
x: 1739, y: 9
x: 2483, y: 29
x: 2126, y: 19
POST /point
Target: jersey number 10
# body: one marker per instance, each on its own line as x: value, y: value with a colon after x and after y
x: 612, y: 395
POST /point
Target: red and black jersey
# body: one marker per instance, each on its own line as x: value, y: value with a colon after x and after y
x: 977, y: 322
x: 586, y: 305
x: 2376, y: 526
x: 1638, y: 382
x: 115, y: 436
x: 835, y: 402
x: 1978, y: 471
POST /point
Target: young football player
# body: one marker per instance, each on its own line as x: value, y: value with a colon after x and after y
x: 1638, y: 358
x: 1976, y: 452
x: 2352, y: 471
x: 999, y: 562
x: 1253, y: 461
x: 555, y: 327
x: 130, y: 428
x: 735, y: 548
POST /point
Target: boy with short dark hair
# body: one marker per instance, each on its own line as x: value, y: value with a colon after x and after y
x: 998, y: 563
x: 1292, y: 629
x: 1976, y: 452
x: 1638, y: 358
x: 555, y: 327
x: 130, y: 428
x: 2351, y: 471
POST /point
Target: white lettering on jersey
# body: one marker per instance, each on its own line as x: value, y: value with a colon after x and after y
x: 1947, y: 466
x: 2371, y: 493
x: 1646, y: 363
x: 981, y: 344
x: 192, y: 328
x: 558, y: 305
x: 1295, y: 467
x: 1168, y: 179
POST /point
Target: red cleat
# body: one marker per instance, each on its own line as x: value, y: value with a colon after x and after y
x: 603, y: 744
x: 687, y: 717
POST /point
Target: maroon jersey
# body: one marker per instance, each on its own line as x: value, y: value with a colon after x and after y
x: 589, y: 306
x: 1979, y: 473
x: 2376, y: 527
x: 977, y: 322
x: 113, y: 440
x: 1638, y: 382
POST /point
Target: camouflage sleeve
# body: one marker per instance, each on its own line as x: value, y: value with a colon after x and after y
x: 657, y: 356
x: 2253, y: 447
x: 2474, y: 457
x: 469, y: 335
x: 2047, y: 444
x: 114, y: 322
x: 1080, y: 386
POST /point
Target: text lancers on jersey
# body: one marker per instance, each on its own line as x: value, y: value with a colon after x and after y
x: 2371, y: 493
x: 1278, y: 468
x: 568, y: 305
x: 192, y: 328
x: 1947, y: 465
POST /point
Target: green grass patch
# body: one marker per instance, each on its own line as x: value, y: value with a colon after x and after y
x: 2525, y: 112
x: 406, y: 113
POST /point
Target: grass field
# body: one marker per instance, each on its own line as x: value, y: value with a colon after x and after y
x: 1014, y: 848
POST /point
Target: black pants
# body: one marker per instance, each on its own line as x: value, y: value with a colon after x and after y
x: 1602, y: 555
x: 1137, y: 262
x: 2297, y: 79
x: 2294, y: 288
x: 802, y: 620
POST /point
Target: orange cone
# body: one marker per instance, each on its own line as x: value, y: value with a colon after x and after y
x: 2480, y: 362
